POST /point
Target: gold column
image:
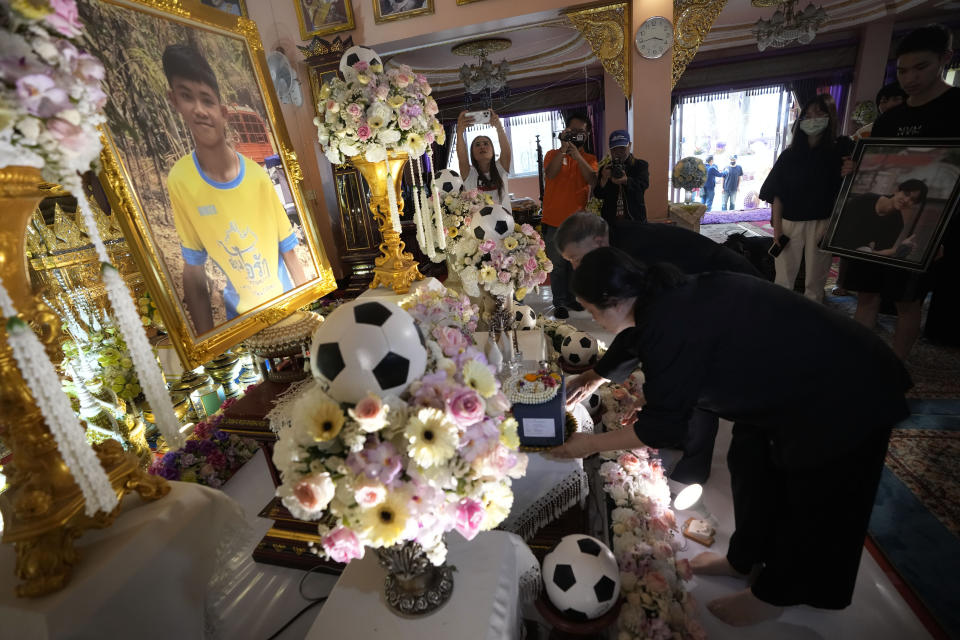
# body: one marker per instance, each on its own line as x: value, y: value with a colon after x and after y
x: 43, y: 507
x: 395, y: 268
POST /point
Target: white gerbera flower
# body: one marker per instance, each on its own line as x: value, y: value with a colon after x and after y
x: 433, y: 437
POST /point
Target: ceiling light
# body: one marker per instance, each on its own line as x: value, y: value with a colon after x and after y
x: 485, y: 76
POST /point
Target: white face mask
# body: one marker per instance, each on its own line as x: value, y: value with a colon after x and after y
x: 814, y: 126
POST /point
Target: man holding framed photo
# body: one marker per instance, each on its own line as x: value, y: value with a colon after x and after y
x: 930, y: 111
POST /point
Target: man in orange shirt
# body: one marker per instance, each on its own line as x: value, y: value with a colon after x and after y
x: 571, y: 173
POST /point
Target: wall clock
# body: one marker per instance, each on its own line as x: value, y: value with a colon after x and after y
x: 654, y: 37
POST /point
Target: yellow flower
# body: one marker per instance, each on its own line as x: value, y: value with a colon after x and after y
x: 31, y: 9
x: 453, y: 232
x: 508, y: 434
x: 326, y: 422
x: 363, y: 78
x: 521, y: 293
x: 541, y: 255
x: 433, y: 437
x: 510, y: 243
x: 395, y: 101
x: 376, y: 67
x: 497, y: 500
x: 384, y: 524
x: 487, y: 274
x: 375, y: 122
x: 414, y: 140
x: 488, y: 198
x: 477, y: 376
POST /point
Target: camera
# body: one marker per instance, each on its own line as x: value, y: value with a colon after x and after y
x: 617, y: 169
x: 576, y: 137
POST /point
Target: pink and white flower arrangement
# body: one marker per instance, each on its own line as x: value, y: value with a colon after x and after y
x: 376, y: 112
x: 512, y: 265
x: 644, y: 532
x: 437, y: 309
x: 389, y: 470
x: 51, y: 101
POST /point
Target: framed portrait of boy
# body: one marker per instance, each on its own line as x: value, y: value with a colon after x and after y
x: 200, y: 170
x: 323, y: 17
x: 389, y: 10
x: 895, y: 206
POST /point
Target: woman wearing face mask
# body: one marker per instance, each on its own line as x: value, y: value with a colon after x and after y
x: 483, y: 170
x: 802, y: 187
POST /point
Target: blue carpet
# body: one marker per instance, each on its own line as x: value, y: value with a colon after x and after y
x: 924, y: 552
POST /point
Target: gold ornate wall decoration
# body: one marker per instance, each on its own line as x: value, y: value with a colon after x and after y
x: 248, y: 28
x: 607, y: 29
x: 692, y: 20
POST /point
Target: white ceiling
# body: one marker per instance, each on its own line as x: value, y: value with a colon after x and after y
x: 544, y: 43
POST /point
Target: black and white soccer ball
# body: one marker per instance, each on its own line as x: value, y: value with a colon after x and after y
x: 581, y: 577
x: 492, y: 222
x: 594, y: 405
x: 524, y: 317
x: 367, y: 346
x: 354, y: 55
x: 579, y: 349
x: 447, y: 182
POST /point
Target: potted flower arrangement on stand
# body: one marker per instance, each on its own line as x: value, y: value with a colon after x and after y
x: 392, y: 463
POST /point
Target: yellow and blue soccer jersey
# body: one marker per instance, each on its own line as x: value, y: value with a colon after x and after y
x: 240, y: 224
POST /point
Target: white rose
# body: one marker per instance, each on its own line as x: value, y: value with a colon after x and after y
x: 333, y: 156
x: 70, y: 115
x: 388, y: 136
x: 46, y: 50
x: 348, y: 149
x: 29, y: 129
x: 376, y: 153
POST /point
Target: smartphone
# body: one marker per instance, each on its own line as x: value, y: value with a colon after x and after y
x: 778, y: 246
x: 479, y: 117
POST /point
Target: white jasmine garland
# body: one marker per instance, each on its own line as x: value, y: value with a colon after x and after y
x: 392, y: 201
x: 438, y: 211
x: 65, y: 427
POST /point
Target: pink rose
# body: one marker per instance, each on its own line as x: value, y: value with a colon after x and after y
x: 354, y: 109
x: 428, y: 137
x: 656, y: 582
x: 530, y: 265
x: 421, y: 79
x: 629, y: 462
x: 487, y: 246
x: 432, y: 107
x: 368, y: 408
x: 41, y: 96
x: 89, y: 68
x: 468, y: 519
x: 64, y: 18
x: 361, y: 65
x: 451, y: 340
x: 370, y: 495
x: 342, y: 545
x: 684, y: 569
x: 498, y: 403
x: 382, y: 92
x: 526, y: 229
x: 504, y: 277
x: 315, y: 491
x: 467, y: 407
x: 363, y: 132
x: 404, y: 122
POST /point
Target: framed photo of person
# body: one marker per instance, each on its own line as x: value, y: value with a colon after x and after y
x: 201, y: 173
x: 467, y: 1
x: 233, y: 7
x: 389, y: 10
x: 893, y: 209
x: 323, y: 17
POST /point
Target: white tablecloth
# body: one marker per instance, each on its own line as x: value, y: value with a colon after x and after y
x: 484, y: 604
x: 155, y: 573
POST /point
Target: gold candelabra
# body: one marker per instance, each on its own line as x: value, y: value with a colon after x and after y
x: 395, y: 268
x: 43, y: 507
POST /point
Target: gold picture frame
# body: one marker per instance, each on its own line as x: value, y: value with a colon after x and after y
x: 146, y: 135
x: 384, y: 11
x: 467, y: 1
x: 230, y: 7
x: 333, y: 17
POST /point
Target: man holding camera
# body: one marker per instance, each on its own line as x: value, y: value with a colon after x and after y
x: 570, y: 174
x: 622, y: 182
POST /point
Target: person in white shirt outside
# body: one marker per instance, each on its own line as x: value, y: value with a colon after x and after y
x: 481, y: 169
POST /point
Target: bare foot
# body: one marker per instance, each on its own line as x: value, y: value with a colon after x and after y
x: 713, y: 564
x: 743, y: 609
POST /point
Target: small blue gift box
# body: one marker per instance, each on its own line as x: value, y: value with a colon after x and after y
x: 543, y: 425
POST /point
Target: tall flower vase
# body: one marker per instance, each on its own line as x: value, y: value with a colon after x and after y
x: 43, y: 508
x: 413, y: 586
x: 395, y: 268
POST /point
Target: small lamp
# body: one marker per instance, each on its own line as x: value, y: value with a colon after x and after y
x: 691, y: 499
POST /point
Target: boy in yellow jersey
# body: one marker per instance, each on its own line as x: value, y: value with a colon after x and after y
x: 224, y: 205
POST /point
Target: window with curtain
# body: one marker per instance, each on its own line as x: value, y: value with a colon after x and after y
x: 751, y: 124
x: 522, y: 132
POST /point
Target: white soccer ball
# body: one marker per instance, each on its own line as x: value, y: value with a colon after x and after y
x: 354, y: 55
x: 448, y: 183
x: 579, y: 349
x: 581, y: 577
x: 525, y: 317
x: 492, y: 222
x: 594, y: 405
x: 367, y: 346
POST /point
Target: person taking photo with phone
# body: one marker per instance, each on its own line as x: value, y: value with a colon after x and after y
x: 570, y: 174
x: 482, y: 170
x: 801, y: 188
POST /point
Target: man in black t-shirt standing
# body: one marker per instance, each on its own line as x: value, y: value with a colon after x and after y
x: 930, y: 111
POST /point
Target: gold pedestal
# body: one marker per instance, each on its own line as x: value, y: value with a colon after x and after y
x: 395, y: 268
x: 43, y: 507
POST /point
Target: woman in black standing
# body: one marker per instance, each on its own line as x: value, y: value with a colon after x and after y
x: 805, y: 460
x: 801, y: 189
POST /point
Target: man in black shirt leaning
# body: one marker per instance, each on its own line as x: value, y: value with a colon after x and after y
x: 930, y: 111
x: 622, y: 182
x: 692, y: 253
